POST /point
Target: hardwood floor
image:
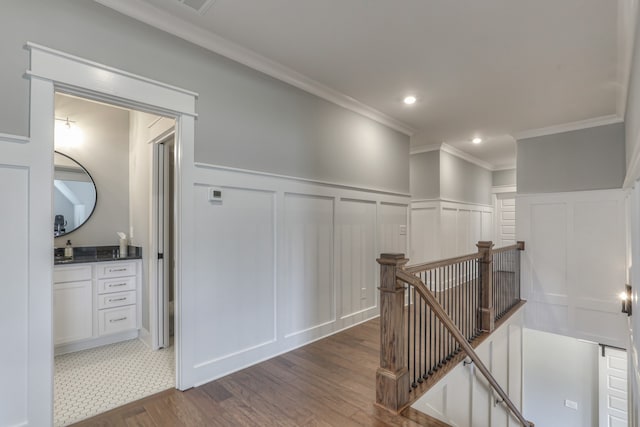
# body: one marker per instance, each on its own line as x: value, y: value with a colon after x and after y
x: 327, y: 383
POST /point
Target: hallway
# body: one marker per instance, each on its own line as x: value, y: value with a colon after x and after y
x: 327, y: 383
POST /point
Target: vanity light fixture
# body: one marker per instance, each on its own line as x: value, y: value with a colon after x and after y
x: 67, y: 133
x: 626, y: 300
x: 476, y: 140
x: 409, y: 100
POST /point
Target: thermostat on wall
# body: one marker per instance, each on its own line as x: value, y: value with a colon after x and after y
x: 215, y: 195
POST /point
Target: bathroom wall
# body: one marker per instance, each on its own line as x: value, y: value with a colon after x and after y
x: 104, y: 153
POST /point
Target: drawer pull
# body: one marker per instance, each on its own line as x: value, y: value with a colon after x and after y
x: 117, y: 299
x: 113, y: 270
x: 120, y: 319
x: 114, y: 285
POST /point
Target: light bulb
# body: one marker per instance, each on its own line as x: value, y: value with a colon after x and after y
x: 409, y: 100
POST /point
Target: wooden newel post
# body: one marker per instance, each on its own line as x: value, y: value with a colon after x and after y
x: 392, y: 377
x: 487, y: 311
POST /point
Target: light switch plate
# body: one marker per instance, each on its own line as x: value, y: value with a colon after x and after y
x: 571, y: 404
x: 403, y: 230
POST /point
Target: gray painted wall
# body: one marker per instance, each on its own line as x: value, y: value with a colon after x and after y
x: 504, y: 177
x: 463, y: 181
x: 425, y: 175
x: 105, y: 154
x: 246, y: 119
x: 571, y: 374
x: 586, y: 159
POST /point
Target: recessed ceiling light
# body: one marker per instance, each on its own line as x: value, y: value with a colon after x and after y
x: 476, y: 140
x: 409, y: 100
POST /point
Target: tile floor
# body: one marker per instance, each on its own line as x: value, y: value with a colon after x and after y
x: 93, y: 381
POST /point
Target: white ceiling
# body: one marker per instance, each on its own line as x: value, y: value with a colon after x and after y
x: 492, y: 68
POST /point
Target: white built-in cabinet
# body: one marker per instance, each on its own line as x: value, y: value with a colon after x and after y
x: 95, y: 304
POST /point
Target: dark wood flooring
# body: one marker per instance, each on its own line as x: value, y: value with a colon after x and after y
x: 327, y: 383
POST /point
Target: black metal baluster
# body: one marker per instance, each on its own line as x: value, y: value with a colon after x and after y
x: 432, y: 341
x: 408, y: 311
x: 414, y: 384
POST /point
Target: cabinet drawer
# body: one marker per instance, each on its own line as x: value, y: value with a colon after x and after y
x: 71, y: 274
x: 116, y: 300
x: 118, y: 284
x: 112, y: 320
x: 119, y: 269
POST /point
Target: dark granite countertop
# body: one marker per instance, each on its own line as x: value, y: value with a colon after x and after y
x: 83, y: 254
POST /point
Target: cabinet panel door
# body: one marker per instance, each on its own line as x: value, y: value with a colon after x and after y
x: 72, y: 311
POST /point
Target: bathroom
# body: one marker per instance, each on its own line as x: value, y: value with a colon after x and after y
x: 128, y: 159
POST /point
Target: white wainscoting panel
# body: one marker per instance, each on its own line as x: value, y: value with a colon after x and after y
x: 442, y: 229
x: 464, y: 398
x: 393, y: 219
x: 235, y: 270
x: 448, y: 234
x: 573, y: 267
x: 357, y: 256
x: 309, y: 233
x: 282, y: 262
x: 425, y: 225
x: 14, y: 191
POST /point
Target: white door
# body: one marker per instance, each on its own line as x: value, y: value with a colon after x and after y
x: 612, y: 384
x: 164, y: 287
x: 505, y: 219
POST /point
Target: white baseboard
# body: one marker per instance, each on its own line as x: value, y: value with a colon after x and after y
x: 97, y: 342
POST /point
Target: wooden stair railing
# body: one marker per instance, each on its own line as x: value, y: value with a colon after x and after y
x: 459, y: 301
x: 466, y: 347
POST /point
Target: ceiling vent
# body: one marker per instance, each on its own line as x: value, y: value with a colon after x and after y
x: 200, y: 6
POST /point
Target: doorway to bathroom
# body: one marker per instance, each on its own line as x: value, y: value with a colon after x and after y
x: 113, y: 304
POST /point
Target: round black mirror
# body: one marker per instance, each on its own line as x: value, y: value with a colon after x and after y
x: 74, y: 195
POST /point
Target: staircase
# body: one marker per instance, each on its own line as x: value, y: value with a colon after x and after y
x: 433, y: 315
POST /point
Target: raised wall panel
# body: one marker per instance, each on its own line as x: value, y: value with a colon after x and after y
x: 424, y: 235
x: 500, y: 371
x: 475, y: 230
x: 235, y: 268
x: 14, y: 211
x: 548, y: 249
x: 391, y: 219
x: 601, y: 246
x: 449, y: 232
x: 463, y: 232
x: 358, y: 267
x: 487, y: 225
x: 309, y: 231
x: 514, y: 385
x: 573, y: 266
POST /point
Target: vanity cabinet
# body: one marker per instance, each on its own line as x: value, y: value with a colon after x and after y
x: 72, y: 304
x: 95, y: 304
x: 117, y: 309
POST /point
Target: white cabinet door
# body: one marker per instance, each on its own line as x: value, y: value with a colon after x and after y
x: 72, y: 311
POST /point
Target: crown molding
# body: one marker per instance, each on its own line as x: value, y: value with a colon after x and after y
x: 425, y: 148
x: 627, y: 23
x: 504, y: 167
x: 568, y: 127
x: 178, y: 27
x: 465, y: 156
x: 458, y: 153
